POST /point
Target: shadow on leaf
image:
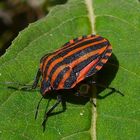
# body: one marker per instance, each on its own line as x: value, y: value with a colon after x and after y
x: 106, y: 75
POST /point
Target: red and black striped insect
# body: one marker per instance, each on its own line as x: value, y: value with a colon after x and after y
x: 76, y: 60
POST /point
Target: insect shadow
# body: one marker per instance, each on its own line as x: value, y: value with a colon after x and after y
x: 106, y: 75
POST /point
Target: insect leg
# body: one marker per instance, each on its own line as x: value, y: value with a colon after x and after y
x: 36, y: 79
x: 36, y: 113
x: 103, y: 86
x: 59, y: 99
x: 26, y: 87
x: 30, y: 87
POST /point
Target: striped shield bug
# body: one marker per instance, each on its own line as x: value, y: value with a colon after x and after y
x: 75, y: 61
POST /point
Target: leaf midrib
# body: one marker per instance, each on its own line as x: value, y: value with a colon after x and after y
x: 91, y: 16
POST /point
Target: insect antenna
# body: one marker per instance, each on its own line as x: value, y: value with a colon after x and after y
x: 36, y: 113
x: 24, y: 87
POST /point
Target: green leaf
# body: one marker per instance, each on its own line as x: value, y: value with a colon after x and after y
x: 115, y: 117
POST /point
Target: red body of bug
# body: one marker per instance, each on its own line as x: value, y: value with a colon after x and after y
x: 76, y: 60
